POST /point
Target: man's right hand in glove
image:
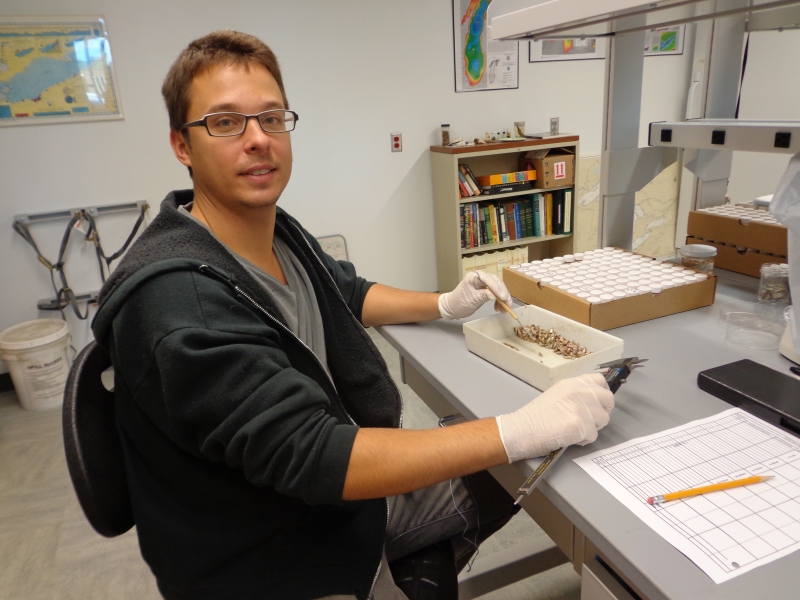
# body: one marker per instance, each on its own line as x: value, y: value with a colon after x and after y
x: 570, y: 412
x: 386, y: 462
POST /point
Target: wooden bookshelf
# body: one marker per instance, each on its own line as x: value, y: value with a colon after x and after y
x: 485, y: 159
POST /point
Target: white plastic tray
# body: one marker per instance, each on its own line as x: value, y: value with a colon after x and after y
x: 532, y: 363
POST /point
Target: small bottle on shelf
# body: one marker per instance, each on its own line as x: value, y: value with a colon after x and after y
x: 445, y: 134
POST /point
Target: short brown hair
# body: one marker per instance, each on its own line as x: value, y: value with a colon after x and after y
x: 218, y: 47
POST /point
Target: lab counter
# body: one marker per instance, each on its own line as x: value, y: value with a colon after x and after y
x: 577, y: 512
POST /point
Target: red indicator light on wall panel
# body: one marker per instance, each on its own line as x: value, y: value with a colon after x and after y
x: 397, y: 142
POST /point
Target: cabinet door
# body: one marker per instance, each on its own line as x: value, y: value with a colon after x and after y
x: 598, y: 584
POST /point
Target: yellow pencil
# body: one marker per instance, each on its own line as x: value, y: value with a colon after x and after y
x: 725, y: 485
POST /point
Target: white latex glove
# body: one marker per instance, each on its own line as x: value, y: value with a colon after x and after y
x: 570, y: 412
x: 472, y: 293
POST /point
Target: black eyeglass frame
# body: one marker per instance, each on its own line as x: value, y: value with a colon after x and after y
x: 204, y: 121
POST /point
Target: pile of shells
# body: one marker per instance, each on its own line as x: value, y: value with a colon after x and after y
x: 774, y: 292
x: 551, y: 340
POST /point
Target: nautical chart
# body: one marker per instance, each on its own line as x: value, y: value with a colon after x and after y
x: 725, y: 533
x: 55, y: 71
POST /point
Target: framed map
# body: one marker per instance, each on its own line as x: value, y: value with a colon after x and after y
x: 56, y: 70
x: 480, y: 64
x: 667, y: 40
x: 566, y: 49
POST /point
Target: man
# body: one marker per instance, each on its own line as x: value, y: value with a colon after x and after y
x: 258, y: 421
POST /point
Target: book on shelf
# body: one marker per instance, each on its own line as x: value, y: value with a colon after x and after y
x: 470, y: 178
x: 542, y: 214
x: 466, y: 190
x: 482, y: 227
x: 461, y: 226
x: 523, y: 204
x: 527, y: 226
x: 549, y: 213
x: 501, y: 213
x: 476, y: 232
x: 489, y: 222
x: 506, y: 178
x: 568, y: 211
x: 467, y: 184
x: 558, y: 212
x: 506, y: 188
x: 508, y: 211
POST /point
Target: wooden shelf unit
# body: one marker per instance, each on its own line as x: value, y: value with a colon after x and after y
x: 500, y: 157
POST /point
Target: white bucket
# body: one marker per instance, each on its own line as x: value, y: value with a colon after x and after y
x: 37, y: 358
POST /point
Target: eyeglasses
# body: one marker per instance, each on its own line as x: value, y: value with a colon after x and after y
x: 226, y: 124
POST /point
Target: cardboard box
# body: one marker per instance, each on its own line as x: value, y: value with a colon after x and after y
x: 616, y: 313
x: 554, y: 168
x: 534, y: 364
x: 742, y: 245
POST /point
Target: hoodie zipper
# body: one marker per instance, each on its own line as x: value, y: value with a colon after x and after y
x: 338, y: 293
x: 206, y: 270
x: 399, y: 395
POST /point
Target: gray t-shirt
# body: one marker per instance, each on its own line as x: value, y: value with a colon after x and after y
x: 296, y: 301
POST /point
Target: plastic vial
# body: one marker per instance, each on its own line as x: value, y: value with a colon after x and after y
x: 774, y: 284
x: 569, y: 258
x: 606, y: 297
x: 445, y: 134
x: 573, y: 291
x: 594, y: 299
x: 698, y: 256
x: 583, y: 295
x: 618, y: 294
x: 578, y: 256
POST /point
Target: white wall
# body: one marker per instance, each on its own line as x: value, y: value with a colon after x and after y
x: 354, y: 71
x: 771, y: 90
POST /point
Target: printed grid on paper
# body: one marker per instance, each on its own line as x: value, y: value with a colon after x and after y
x: 734, y: 527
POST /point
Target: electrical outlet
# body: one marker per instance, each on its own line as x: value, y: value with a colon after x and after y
x: 554, y: 126
x: 397, y: 142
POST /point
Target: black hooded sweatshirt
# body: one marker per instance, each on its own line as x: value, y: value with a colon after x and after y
x: 236, y: 439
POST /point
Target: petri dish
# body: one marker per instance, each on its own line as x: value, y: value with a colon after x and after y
x: 762, y: 311
x: 751, y: 331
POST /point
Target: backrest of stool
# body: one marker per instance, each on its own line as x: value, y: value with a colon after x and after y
x: 94, y: 453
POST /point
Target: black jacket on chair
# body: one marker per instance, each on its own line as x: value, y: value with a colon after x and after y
x: 236, y: 439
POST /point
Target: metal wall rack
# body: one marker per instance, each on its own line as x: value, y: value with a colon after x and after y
x: 95, y: 211
x: 28, y: 219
